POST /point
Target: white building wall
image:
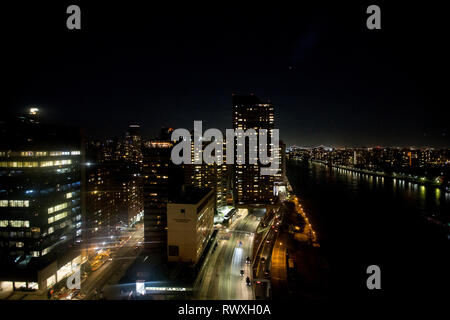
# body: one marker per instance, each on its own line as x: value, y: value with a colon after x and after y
x: 188, y: 230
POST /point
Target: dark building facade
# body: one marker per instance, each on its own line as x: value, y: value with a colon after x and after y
x: 161, y: 179
x: 155, y: 174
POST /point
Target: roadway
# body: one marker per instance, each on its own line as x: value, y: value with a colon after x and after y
x: 262, y: 269
x: 92, y: 286
x: 279, y: 266
x: 220, y: 276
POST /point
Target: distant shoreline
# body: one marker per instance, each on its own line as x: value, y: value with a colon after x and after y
x: 417, y: 181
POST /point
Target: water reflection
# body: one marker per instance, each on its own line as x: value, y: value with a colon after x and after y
x: 428, y: 199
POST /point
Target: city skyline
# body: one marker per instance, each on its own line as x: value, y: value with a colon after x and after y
x: 255, y: 156
x: 155, y: 131
x: 328, y: 83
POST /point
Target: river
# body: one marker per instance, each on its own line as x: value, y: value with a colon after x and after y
x: 363, y: 220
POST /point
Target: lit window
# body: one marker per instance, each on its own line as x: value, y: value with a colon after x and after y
x: 18, y: 223
x: 51, y: 280
x: 29, y: 164
x: 41, y: 153
x: 19, y: 203
x: 46, y: 163
x: 58, y: 207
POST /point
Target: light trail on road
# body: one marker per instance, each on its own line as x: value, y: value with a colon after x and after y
x: 220, y: 277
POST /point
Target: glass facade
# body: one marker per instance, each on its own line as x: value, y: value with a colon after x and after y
x: 39, y: 223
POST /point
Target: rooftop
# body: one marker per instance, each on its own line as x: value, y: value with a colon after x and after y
x: 189, y: 195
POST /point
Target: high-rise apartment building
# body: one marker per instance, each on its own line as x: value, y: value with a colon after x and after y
x: 132, y: 152
x: 114, y: 193
x: 249, y: 186
x: 214, y: 176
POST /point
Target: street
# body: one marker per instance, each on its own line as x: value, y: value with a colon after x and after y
x: 113, y: 269
x: 263, y: 262
x: 220, y: 276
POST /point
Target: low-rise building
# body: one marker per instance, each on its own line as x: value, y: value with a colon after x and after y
x: 190, y: 219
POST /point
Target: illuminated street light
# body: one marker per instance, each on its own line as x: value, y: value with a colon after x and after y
x: 33, y: 111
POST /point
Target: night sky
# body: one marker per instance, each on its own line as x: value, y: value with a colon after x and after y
x: 333, y: 81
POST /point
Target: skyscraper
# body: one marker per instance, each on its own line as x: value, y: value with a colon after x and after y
x: 132, y: 146
x: 155, y: 174
x: 161, y: 178
x: 250, y: 187
x: 40, y: 203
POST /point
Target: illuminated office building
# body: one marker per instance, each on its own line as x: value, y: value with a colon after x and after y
x: 41, y: 201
